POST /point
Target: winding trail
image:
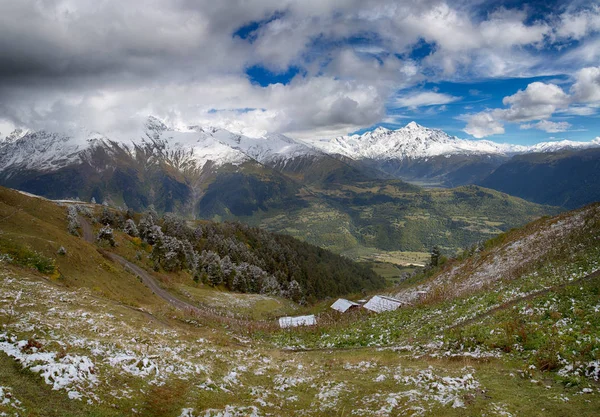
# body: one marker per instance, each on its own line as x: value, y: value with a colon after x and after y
x: 147, y: 279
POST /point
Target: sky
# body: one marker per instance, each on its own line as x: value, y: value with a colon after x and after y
x: 507, y: 71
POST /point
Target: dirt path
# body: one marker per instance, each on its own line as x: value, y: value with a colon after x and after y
x: 86, y: 228
x: 147, y: 280
x: 151, y: 283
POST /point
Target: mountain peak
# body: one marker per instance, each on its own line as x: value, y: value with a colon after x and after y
x: 16, y: 135
x: 155, y: 124
x: 413, y: 125
x: 381, y: 129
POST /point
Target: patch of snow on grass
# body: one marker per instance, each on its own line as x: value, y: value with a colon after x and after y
x: 329, y: 395
x: 228, y: 411
x: 72, y: 372
x: 445, y: 390
x: 8, y: 402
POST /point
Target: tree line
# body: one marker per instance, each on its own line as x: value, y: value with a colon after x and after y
x: 242, y: 258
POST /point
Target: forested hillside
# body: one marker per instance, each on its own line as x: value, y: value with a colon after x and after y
x: 242, y: 258
x: 567, y: 179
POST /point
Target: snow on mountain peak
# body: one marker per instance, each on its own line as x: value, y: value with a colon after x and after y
x: 154, y: 123
x: 181, y: 146
x: 414, y: 141
x: 15, y: 135
x: 196, y: 145
x: 413, y: 126
x: 381, y: 130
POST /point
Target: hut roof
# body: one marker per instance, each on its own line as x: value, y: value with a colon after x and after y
x: 342, y: 305
x: 285, y: 322
x: 380, y: 303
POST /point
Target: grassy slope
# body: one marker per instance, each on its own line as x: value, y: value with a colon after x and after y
x: 40, y: 226
x: 160, y: 364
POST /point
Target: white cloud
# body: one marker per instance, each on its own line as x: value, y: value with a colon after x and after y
x: 579, y: 24
x: 587, y: 85
x: 426, y: 98
x: 539, y: 101
x: 6, y: 127
x: 578, y: 111
x: 548, y: 126
x: 305, y: 106
x: 483, y: 124
x: 389, y: 71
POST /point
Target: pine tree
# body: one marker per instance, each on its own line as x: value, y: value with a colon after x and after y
x: 130, y: 228
x: 154, y: 235
x: 294, y: 291
x: 435, y: 256
x: 145, y: 226
x: 73, y: 220
x: 270, y: 286
x: 107, y: 216
x: 106, y: 234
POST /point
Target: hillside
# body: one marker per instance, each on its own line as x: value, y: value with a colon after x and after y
x: 512, y: 329
x: 566, y: 179
x: 383, y: 216
x: 231, y: 255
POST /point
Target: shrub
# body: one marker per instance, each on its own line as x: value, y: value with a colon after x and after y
x: 24, y: 256
x: 106, y: 234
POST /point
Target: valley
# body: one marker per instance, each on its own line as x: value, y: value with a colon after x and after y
x: 341, y: 202
x: 481, y: 341
x: 260, y: 208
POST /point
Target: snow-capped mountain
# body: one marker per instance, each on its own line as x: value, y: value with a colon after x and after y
x: 557, y: 146
x: 213, y: 171
x: 414, y: 141
x: 47, y: 151
x: 193, y: 146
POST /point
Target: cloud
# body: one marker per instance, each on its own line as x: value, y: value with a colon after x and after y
x: 306, y: 104
x: 587, y: 85
x: 577, y: 25
x: 578, y: 111
x: 103, y: 64
x: 483, y: 124
x: 539, y: 101
x: 427, y: 98
x: 548, y: 126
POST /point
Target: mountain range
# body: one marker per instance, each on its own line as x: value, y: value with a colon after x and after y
x: 195, y: 146
x: 343, y: 194
x: 432, y: 157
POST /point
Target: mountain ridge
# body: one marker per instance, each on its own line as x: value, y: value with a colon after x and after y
x: 200, y: 144
x: 414, y: 141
